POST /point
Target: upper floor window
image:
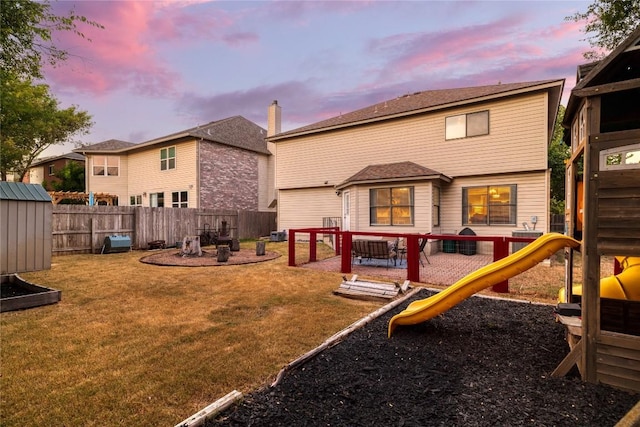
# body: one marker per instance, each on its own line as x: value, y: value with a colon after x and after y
x: 180, y: 199
x: 167, y: 158
x: 489, y: 205
x: 465, y: 125
x: 391, y: 206
x: 106, y: 165
x: 51, y: 170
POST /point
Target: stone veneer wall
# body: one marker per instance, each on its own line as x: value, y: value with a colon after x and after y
x: 228, y: 177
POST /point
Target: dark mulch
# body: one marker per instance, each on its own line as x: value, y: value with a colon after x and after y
x: 8, y: 290
x: 483, y: 363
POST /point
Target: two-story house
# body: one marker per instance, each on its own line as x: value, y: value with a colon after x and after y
x: 434, y: 161
x: 43, y: 171
x: 224, y: 164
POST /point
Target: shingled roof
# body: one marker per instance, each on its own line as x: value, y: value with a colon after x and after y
x: 70, y: 156
x: 108, y: 145
x: 421, y: 102
x: 234, y: 131
x: 401, y: 171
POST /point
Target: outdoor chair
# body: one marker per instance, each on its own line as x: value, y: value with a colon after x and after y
x: 401, y: 248
x: 359, y: 250
x: 423, y: 243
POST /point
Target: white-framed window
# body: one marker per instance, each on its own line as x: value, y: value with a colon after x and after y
x: 627, y: 157
x: 489, y: 205
x: 135, y: 200
x: 582, y: 126
x: 106, y: 165
x: 391, y: 206
x: 52, y: 170
x: 467, y: 125
x: 180, y: 199
x: 156, y: 200
x: 435, y: 213
x: 167, y: 158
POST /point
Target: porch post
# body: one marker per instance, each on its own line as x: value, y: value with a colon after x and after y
x: 345, y: 259
x: 413, y: 261
x: 292, y: 248
x: 312, y: 246
x: 500, y: 250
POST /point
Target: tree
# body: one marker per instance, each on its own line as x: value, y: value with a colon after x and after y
x: 25, y: 36
x: 30, y: 118
x: 557, y: 154
x: 31, y: 122
x: 611, y: 21
x: 71, y: 178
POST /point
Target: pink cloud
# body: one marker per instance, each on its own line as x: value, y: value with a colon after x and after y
x: 118, y: 57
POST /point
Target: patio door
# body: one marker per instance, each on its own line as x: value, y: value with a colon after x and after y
x: 346, y: 209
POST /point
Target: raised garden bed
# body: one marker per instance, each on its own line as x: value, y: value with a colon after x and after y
x: 18, y: 294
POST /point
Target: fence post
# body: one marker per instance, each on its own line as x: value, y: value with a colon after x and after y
x: 345, y: 264
x: 413, y: 261
x: 292, y: 248
x: 500, y: 250
x: 313, y: 236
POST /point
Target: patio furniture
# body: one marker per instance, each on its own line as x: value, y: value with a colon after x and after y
x: 373, y: 249
x: 423, y: 243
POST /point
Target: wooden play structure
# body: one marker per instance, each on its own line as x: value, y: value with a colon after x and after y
x: 602, y: 121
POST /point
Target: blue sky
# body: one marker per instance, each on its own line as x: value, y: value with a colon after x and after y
x: 159, y: 67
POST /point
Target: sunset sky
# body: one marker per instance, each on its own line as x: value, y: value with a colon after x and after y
x: 159, y: 67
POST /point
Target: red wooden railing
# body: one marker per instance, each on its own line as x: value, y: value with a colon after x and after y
x: 344, y: 240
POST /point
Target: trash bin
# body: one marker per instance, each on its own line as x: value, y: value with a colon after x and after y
x: 516, y: 246
x: 449, y: 246
x: 467, y: 247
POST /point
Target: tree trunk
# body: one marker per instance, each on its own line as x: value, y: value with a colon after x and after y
x: 191, y: 246
x: 223, y: 253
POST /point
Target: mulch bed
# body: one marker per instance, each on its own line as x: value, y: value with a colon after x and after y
x: 485, y: 362
x: 209, y: 258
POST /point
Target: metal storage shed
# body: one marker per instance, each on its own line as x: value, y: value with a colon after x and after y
x: 25, y: 228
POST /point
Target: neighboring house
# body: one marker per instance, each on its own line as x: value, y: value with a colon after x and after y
x: 43, y: 171
x: 434, y: 161
x: 223, y: 165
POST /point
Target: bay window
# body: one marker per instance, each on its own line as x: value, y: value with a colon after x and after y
x: 391, y: 206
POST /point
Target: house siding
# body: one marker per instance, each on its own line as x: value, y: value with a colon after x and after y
x: 532, y: 200
x: 114, y: 185
x: 517, y: 142
x: 229, y: 177
x: 514, y: 152
x: 145, y: 175
x: 296, y: 206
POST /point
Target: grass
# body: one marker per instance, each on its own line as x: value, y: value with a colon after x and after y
x: 138, y: 344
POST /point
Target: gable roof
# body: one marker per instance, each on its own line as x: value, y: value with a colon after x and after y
x: 401, y: 171
x: 234, y: 131
x: 621, y: 65
x: 430, y: 100
x: 105, y: 146
x: 71, y: 156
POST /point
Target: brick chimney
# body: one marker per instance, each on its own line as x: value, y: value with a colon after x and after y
x: 274, y: 119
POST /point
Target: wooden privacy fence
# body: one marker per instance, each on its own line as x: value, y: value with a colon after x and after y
x: 82, y: 229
